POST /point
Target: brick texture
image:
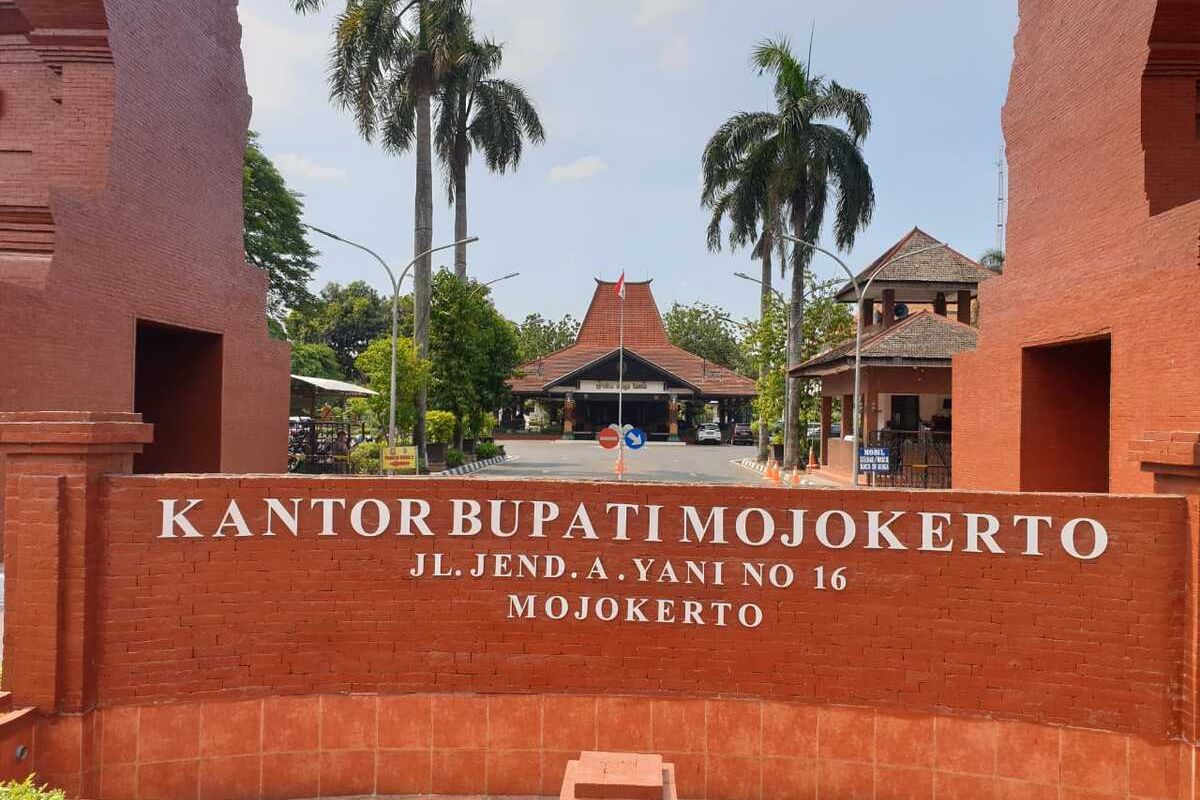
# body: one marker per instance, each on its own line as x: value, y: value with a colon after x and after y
x: 1102, y: 231
x: 1049, y: 639
x: 124, y: 124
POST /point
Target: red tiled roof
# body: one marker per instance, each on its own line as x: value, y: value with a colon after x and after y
x: 645, y: 337
x: 643, y: 323
x: 924, y: 336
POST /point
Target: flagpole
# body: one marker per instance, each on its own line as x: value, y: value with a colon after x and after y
x: 621, y: 390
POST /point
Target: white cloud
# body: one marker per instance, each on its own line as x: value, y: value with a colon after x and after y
x: 294, y: 164
x: 675, y: 55
x: 282, y: 61
x: 652, y: 12
x: 577, y: 170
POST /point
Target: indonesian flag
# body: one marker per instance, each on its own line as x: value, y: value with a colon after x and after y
x: 621, y: 286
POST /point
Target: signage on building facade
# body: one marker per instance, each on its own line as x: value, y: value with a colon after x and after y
x: 399, y: 459
x: 632, y: 387
x: 629, y: 581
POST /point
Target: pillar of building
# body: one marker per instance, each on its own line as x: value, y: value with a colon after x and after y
x: 673, y: 419
x: 964, y: 307
x: 889, y: 307
x: 868, y: 312
x: 847, y: 414
x: 826, y: 425
x: 569, y: 416
x: 939, y: 304
x: 54, y: 464
x: 1173, y: 457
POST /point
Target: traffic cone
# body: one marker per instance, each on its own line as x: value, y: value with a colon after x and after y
x: 767, y: 473
x: 812, y: 460
x: 777, y: 476
x: 620, y: 468
x: 794, y: 480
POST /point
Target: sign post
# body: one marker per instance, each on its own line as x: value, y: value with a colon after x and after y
x: 398, y: 459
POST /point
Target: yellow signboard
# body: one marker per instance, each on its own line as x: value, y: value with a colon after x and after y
x: 399, y: 459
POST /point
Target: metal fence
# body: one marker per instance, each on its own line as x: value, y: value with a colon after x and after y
x: 917, y: 459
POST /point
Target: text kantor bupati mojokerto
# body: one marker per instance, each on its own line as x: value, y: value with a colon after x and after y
x: 726, y: 540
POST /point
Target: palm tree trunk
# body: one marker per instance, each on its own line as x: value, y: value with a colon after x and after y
x: 460, y: 208
x: 423, y: 242
x: 764, y: 368
x: 793, y: 435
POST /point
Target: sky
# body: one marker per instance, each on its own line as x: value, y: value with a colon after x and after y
x: 629, y: 93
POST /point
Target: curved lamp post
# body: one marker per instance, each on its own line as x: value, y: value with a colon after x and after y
x: 395, y: 314
x: 859, y: 292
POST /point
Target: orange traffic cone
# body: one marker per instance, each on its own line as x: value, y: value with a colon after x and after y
x: 777, y: 476
x: 794, y: 480
x: 620, y: 467
x: 812, y: 460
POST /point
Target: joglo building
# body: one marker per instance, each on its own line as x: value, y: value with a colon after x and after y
x: 580, y: 383
x: 230, y: 635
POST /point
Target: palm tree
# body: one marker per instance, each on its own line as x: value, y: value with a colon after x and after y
x: 731, y: 194
x: 389, y: 58
x: 796, y: 155
x: 478, y: 111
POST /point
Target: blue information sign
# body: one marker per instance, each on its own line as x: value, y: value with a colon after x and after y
x: 877, y: 460
x: 635, y: 439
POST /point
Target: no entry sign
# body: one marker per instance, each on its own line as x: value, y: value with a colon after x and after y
x: 608, y: 438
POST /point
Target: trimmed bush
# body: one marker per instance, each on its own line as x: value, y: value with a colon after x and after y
x: 364, y: 459
x: 439, y: 427
x: 454, y: 458
x: 486, y: 450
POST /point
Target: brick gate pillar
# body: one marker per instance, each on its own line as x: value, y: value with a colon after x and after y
x: 53, y: 465
x: 1174, y: 459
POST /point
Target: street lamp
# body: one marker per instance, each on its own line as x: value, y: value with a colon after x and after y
x: 501, y: 278
x: 395, y: 315
x: 771, y: 289
x: 859, y: 292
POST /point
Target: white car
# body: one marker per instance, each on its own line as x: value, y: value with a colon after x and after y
x: 708, y: 432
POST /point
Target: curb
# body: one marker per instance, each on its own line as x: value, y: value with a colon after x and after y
x: 467, y: 469
x: 751, y: 464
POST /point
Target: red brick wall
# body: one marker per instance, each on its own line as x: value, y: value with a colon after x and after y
x: 1049, y: 639
x: 1102, y: 239
x: 140, y: 168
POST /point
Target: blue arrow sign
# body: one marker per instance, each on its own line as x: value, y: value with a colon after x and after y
x: 635, y: 439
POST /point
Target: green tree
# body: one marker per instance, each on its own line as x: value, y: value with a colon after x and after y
x: 389, y: 59
x: 315, y: 361
x: 473, y: 349
x: 538, y: 336
x: 993, y: 259
x: 796, y: 161
x: 346, y: 318
x: 412, y: 374
x: 273, y: 232
x: 478, y: 111
x: 826, y: 323
x: 706, y: 331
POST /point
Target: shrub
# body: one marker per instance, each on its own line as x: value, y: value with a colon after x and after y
x: 481, y: 424
x: 28, y: 790
x: 439, y: 426
x: 364, y: 459
x: 454, y: 458
x: 486, y: 450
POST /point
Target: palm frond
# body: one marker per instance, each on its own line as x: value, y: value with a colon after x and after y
x: 851, y: 105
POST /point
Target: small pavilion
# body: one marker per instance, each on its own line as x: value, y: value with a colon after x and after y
x: 908, y: 343
x: 582, y: 379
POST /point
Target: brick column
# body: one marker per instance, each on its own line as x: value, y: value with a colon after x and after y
x: 53, y: 464
x: 1173, y: 457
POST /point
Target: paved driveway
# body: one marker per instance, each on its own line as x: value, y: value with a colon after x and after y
x: 663, y: 463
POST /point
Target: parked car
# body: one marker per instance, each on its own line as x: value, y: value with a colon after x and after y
x: 708, y: 432
x: 814, y: 430
x: 742, y: 433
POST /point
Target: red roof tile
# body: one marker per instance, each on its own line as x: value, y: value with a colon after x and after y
x: 924, y: 336
x: 645, y: 337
